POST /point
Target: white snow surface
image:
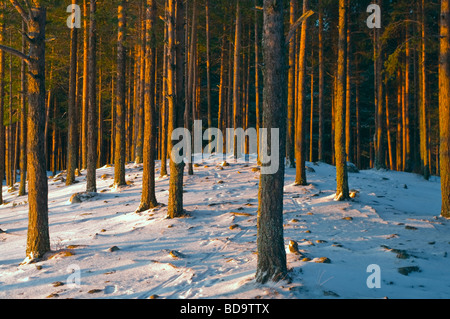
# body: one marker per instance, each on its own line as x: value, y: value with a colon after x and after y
x: 394, y: 223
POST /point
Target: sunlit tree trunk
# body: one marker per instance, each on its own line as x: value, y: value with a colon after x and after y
x: 300, y: 143
x: 342, y: 190
x: 444, y: 106
x: 290, y: 140
x: 119, y: 140
x: 91, y: 185
x: 148, y: 199
x: 72, y: 129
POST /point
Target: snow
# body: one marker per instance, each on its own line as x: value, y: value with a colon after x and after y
x: 199, y: 256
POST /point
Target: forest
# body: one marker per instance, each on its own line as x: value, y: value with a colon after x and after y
x: 95, y: 90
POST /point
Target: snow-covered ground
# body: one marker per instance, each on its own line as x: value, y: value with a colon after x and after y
x: 391, y: 223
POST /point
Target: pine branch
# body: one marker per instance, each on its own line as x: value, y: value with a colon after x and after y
x: 17, y: 53
x: 297, y: 24
x: 21, y: 11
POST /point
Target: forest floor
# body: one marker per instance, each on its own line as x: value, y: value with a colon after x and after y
x: 211, y: 253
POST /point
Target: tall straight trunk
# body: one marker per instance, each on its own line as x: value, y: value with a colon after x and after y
x: 424, y: 145
x: 222, y: 106
x: 342, y: 189
x: 100, y: 144
x: 271, y: 264
x: 399, y: 144
x: 47, y: 114
x: 388, y: 126
x: 444, y: 107
x: 54, y: 162
x: 72, y: 129
x: 119, y: 140
x: 91, y: 185
x: 208, y: 68
x: 348, y: 94
x: 379, y: 99
x: 113, y: 122
x: 176, y: 98
x: 38, y: 238
x: 141, y: 117
x: 229, y: 111
x: 9, y: 149
x: 189, y: 112
x: 247, y: 100
x: 300, y: 143
x: 408, y: 101
x: 358, y: 125
x: 23, y: 119
x: 290, y: 134
x: 236, y: 79
x: 165, y: 111
x: 148, y: 199
x: 321, y: 85
x: 85, y: 98
x: 311, y: 122
x: 257, y: 88
x: 2, y: 99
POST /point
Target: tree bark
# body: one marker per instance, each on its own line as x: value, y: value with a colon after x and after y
x: 342, y: 190
x: 2, y: 99
x: 290, y: 141
x: 300, y: 143
x: 72, y: 129
x: 176, y: 98
x: 148, y: 199
x: 91, y: 185
x: 271, y: 265
x: 444, y: 109
x: 236, y: 78
x: 321, y: 86
x: 23, y: 120
x: 119, y: 140
x: 85, y: 98
x: 38, y: 239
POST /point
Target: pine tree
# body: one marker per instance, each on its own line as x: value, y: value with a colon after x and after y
x: 271, y: 265
x: 444, y: 109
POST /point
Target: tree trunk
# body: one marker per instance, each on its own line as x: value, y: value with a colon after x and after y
x: 38, y: 239
x: 257, y: 88
x: 2, y: 100
x: 424, y: 145
x: 208, y: 69
x: 165, y: 111
x: 348, y: 94
x: 100, y: 144
x: 379, y: 98
x: 342, y: 190
x: 311, y: 122
x: 148, y: 199
x: 176, y: 98
x: 300, y: 143
x: 119, y: 140
x: 290, y: 141
x: 23, y: 120
x: 72, y: 129
x: 271, y: 265
x: 85, y: 98
x: 91, y: 185
x: 321, y: 85
x: 444, y: 109
x: 236, y: 79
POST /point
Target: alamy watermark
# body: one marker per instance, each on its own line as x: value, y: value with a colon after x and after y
x: 269, y: 153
